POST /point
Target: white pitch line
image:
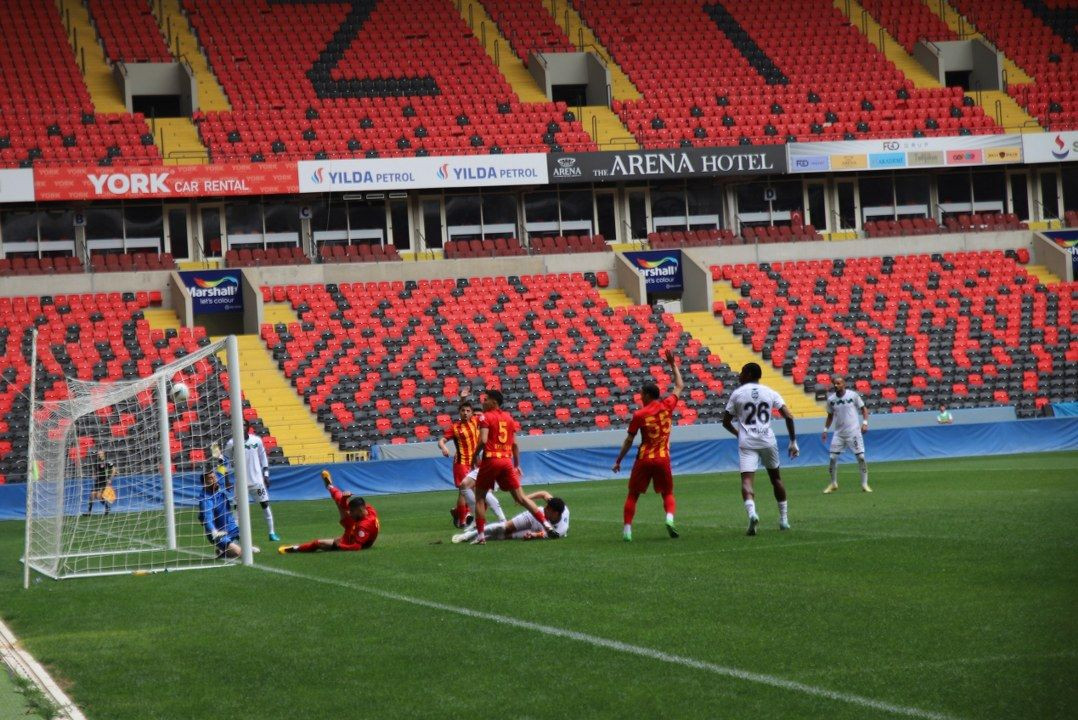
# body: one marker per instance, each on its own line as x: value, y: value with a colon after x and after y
x: 24, y: 665
x: 645, y: 652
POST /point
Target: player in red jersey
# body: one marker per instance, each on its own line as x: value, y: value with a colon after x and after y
x: 465, y: 435
x: 652, y: 466
x: 359, y: 520
x: 500, y: 463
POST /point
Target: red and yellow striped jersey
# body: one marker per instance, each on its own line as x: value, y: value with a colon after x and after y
x: 466, y: 437
x: 653, y: 422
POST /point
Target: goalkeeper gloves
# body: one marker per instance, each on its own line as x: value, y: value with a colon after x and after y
x: 218, y: 534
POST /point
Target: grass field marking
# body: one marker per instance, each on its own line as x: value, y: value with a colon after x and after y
x: 24, y: 665
x: 951, y: 662
x: 645, y: 652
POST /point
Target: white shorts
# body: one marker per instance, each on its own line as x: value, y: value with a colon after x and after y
x: 524, y: 523
x: 257, y: 492
x: 853, y: 443
x: 752, y: 458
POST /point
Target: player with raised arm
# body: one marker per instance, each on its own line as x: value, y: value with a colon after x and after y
x: 465, y: 436
x: 103, y: 471
x: 751, y: 405
x: 842, y: 407
x: 257, y: 463
x: 215, y: 514
x: 524, y: 526
x: 652, y: 466
x: 498, y: 461
x: 359, y: 520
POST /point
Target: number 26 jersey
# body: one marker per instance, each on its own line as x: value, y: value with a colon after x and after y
x: 751, y: 406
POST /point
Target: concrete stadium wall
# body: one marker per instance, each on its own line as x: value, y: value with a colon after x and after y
x: 1052, y: 256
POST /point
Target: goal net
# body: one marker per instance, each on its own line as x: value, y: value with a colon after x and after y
x: 123, y: 477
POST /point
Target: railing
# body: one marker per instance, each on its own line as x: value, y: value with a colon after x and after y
x: 999, y: 112
x: 882, y: 36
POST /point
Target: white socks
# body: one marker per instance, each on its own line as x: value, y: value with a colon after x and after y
x: 782, y: 511
x: 268, y: 513
x: 750, y: 508
x: 864, y: 470
x: 469, y: 497
x: 628, y: 528
x: 833, y: 466
x: 669, y: 517
x: 493, y: 504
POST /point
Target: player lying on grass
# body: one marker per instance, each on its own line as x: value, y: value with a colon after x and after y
x: 652, y: 465
x: 500, y: 462
x: 215, y: 514
x: 751, y: 405
x: 524, y: 526
x: 359, y: 520
x: 467, y: 496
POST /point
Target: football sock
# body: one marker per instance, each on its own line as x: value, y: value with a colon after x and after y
x: 311, y: 546
x: 469, y: 498
x: 539, y: 515
x: 462, y: 510
x: 494, y: 504
x: 670, y: 506
x: 269, y: 518
x: 864, y: 469
x: 750, y: 508
x: 629, y: 511
x: 628, y: 529
x: 782, y: 511
x: 480, y: 524
x: 833, y: 467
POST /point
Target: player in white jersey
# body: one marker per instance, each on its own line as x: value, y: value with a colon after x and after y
x: 850, y: 416
x: 524, y: 526
x: 751, y: 405
x: 257, y: 464
x: 467, y: 494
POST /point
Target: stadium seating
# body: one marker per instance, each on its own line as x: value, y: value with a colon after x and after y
x: 1037, y: 42
x: 558, y: 244
x: 101, y: 337
x: 131, y: 262
x: 61, y: 265
x: 528, y: 26
x: 911, y: 332
x: 285, y: 255
x: 358, y: 252
x: 46, y: 116
x: 128, y: 31
x: 364, y: 80
x: 750, y: 72
x: 1070, y: 218
x: 975, y: 222
x: 499, y: 247
x: 779, y: 233
x: 383, y: 362
x: 908, y: 22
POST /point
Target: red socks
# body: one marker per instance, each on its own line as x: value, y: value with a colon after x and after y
x: 311, y: 546
x: 630, y: 509
x: 668, y: 503
x: 462, y: 511
x: 540, y: 516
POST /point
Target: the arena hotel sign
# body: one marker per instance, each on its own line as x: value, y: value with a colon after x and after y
x: 658, y: 164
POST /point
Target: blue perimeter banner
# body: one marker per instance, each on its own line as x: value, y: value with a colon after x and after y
x: 214, y: 291
x: 380, y: 477
x: 661, y: 268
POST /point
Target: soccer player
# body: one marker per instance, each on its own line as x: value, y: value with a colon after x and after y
x: 215, y: 514
x: 652, y: 466
x: 467, y: 493
x: 498, y: 461
x: 359, y: 520
x: 254, y: 453
x: 842, y: 407
x: 103, y: 471
x: 751, y: 405
x: 944, y: 417
x: 524, y: 526
x: 465, y: 436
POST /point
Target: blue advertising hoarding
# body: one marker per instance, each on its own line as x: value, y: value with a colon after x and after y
x: 661, y: 269
x: 214, y: 291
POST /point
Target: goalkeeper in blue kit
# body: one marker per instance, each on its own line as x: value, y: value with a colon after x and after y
x: 215, y: 514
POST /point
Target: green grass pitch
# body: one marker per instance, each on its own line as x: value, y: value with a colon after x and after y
x: 949, y: 592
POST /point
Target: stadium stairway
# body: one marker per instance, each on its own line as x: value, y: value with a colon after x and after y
x: 1043, y: 274
x: 161, y: 318
x: 1010, y: 114
x: 297, y: 431
x: 965, y: 29
x: 892, y: 49
x: 615, y: 297
x: 96, y: 71
x: 570, y: 21
x: 723, y: 342
x: 177, y: 139
x: 185, y: 45
x: 500, y: 51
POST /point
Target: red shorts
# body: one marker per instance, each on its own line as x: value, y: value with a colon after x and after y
x: 500, y: 471
x: 459, y: 471
x: 651, y: 472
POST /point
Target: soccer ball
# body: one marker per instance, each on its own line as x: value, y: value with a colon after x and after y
x: 180, y: 393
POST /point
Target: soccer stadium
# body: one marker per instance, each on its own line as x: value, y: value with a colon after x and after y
x: 749, y: 326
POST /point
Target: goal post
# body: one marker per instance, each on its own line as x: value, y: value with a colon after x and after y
x: 123, y: 477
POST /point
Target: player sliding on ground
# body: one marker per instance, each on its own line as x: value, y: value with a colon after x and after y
x: 652, y: 466
x: 359, y: 520
x: 467, y: 496
x: 524, y: 526
x: 751, y: 405
x: 215, y: 514
x: 500, y: 464
x: 842, y: 408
